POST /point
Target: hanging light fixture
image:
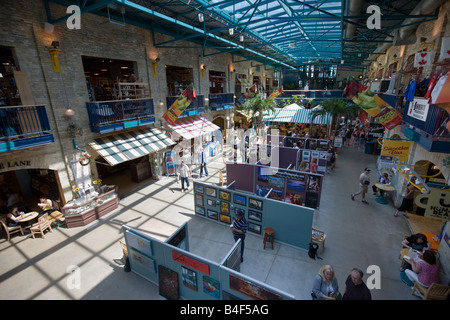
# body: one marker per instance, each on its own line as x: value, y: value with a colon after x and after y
x: 201, y: 17
x: 231, y: 31
x: 241, y: 37
x: 69, y: 111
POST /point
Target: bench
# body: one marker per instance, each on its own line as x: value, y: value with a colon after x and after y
x: 57, y: 217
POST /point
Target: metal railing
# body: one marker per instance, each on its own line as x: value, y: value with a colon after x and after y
x: 104, y: 113
x: 21, y: 122
x: 220, y: 101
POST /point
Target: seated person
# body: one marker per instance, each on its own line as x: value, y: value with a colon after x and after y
x: 417, y: 242
x: 425, y: 271
x: 46, y: 205
x: 383, y: 179
x: 12, y: 217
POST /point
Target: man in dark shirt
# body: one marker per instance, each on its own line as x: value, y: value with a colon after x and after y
x: 355, y: 288
x: 239, y: 229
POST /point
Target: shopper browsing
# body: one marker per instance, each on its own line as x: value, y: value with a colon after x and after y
x: 239, y: 229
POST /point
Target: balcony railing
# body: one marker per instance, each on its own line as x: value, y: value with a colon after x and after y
x: 196, y: 107
x: 431, y: 134
x: 221, y: 101
x: 107, y: 116
x: 23, y: 127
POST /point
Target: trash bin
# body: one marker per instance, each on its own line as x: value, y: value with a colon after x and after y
x: 369, y: 147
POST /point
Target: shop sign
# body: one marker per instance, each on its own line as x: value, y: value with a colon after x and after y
x: 15, y: 164
x: 395, y: 148
x: 418, y: 109
x: 436, y: 204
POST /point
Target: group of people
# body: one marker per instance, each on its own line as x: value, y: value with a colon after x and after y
x: 13, y: 216
x: 425, y: 271
x: 326, y: 287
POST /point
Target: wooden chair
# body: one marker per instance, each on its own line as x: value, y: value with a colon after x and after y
x: 10, y: 230
x: 318, y: 237
x: 222, y: 180
x: 56, y: 217
x: 42, y: 225
x: 434, y: 292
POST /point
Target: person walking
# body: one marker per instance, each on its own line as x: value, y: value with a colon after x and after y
x: 364, y: 181
x: 325, y: 286
x: 184, y: 173
x: 239, y: 229
x: 355, y: 288
x: 203, y: 164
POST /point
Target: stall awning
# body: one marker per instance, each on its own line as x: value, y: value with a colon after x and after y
x: 192, y: 127
x: 130, y: 145
x: 294, y: 116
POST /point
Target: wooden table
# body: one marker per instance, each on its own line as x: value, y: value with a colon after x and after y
x: 28, y: 216
x: 383, y: 187
x: 421, y: 224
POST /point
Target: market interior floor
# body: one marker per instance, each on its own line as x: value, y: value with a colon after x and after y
x: 358, y: 235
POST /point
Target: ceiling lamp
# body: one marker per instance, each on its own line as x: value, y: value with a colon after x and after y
x: 231, y: 31
x: 201, y: 17
x: 241, y: 37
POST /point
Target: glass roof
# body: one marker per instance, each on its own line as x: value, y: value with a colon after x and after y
x: 283, y: 33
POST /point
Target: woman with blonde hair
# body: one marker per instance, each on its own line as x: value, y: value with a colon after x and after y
x: 325, y: 285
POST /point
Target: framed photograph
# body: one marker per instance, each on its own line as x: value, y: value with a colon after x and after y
x: 296, y: 185
x: 255, y: 203
x: 168, y: 283
x: 225, y: 210
x: 255, y: 215
x: 189, y: 278
x: 294, y: 198
x: 260, y: 190
x: 223, y: 195
x: 263, y: 174
x: 211, y: 287
x: 211, y: 203
x: 211, y: 192
x: 200, y: 210
x: 198, y: 188
x: 212, y: 214
x: 255, y: 228
x: 241, y: 200
x: 199, y: 200
x: 314, y: 183
x: 277, y: 182
x: 225, y: 218
x: 276, y: 195
x: 239, y: 211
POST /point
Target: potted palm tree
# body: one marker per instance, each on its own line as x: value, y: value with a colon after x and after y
x: 335, y: 108
x: 256, y: 106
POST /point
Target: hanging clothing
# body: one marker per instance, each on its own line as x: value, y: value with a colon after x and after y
x: 411, y: 91
x: 431, y: 85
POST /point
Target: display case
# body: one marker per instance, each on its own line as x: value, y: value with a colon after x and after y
x: 82, y: 211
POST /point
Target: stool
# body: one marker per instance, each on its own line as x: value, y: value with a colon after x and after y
x: 268, y: 236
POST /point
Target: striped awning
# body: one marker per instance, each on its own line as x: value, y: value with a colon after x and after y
x: 192, y: 127
x: 295, y: 116
x: 131, y: 145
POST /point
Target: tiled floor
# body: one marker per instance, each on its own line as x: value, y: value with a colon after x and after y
x: 358, y: 235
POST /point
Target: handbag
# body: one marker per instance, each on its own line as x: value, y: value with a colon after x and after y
x: 366, y: 182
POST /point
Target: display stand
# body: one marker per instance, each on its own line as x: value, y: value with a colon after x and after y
x: 80, y: 214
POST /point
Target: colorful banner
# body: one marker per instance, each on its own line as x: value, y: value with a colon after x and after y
x: 445, y: 48
x: 395, y: 148
x: 179, y: 105
x: 379, y: 109
x: 276, y: 93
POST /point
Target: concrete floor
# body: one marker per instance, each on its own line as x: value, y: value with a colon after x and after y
x: 358, y: 235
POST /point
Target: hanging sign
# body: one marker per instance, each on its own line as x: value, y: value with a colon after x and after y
x: 418, y: 109
x: 395, y: 148
x: 445, y: 48
x: 179, y: 105
x: 276, y: 93
x: 437, y: 204
x: 423, y: 59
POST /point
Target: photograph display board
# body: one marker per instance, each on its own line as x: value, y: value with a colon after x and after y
x: 182, y: 275
x: 291, y: 186
x: 221, y: 205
